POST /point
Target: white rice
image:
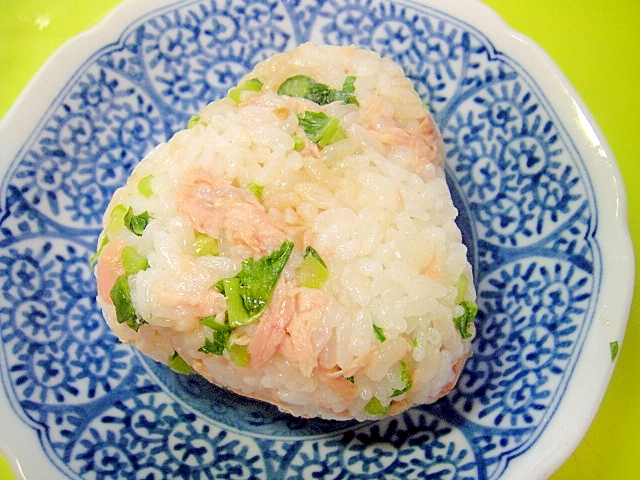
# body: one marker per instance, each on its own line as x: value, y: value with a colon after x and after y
x: 375, y: 207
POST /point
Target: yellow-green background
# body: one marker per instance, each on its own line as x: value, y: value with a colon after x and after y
x: 596, y: 43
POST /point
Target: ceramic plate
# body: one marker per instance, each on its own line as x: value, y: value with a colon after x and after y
x: 541, y: 209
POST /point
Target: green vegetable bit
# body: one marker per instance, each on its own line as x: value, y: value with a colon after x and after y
x: 614, y: 347
x: 303, y: 86
x: 214, y: 324
x: 221, y: 340
x: 178, y: 365
x: 349, y: 86
x: 217, y: 344
x: 144, y: 186
x: 252, y: 85
x: 404, y: 377
x: 249, y: 292
x: 374, y: 407
x: 116, y: 221
x: 461, y: 286
x: 132, y: 261
x: 221, y: 334
x: 237, y: 312
x: 94, y: 258
x: 313, y: 272
x: 311, y: 252
x: 465, y: 321
x: 238, y: 354
x: 255, y: 189
x: 121, y: 296
x: 298, y: 142
x: 321, y: 129
x: 136, y: 223
x: 193, y: 121
x: 203, y: 245
x: 379, y: 332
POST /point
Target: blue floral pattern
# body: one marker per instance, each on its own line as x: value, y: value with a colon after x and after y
x: 526, y: 212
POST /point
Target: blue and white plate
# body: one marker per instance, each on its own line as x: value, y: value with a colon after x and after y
x: 541, y: 208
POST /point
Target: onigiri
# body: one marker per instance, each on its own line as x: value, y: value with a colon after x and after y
x: 296, y: 243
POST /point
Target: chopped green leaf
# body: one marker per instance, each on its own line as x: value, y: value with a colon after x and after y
x: 203, y: 245
x: 238, y: 354
x: 236, y: 310
x: 121, y: 296
x: 132, y: 261
x: 144, y: 186
x: 313, y: 253
x: 298, y: 142
x: 217, y: 344
x: 258, y: 278
x: 374, y: 407
x: 178, y: 365
x: 614, y: 347
x: 136, y: 223
x: 221, y: 334
x: 462, y: 286
x: 465, y: 321
x: 351, y: 379
x: 193, y: 121
x: 249, y: 292
x: 213, y: 323
x: 222, y: 339
x: 303, y: 86
x: 252, y: 85
x: 379, y: 333
x: 95, y: 256
x: 116, y: 220
x: 349, y: 85
x: 404, y: 377
x: 313, y: 272
x: 255, y: 189
x: 321, y: 129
